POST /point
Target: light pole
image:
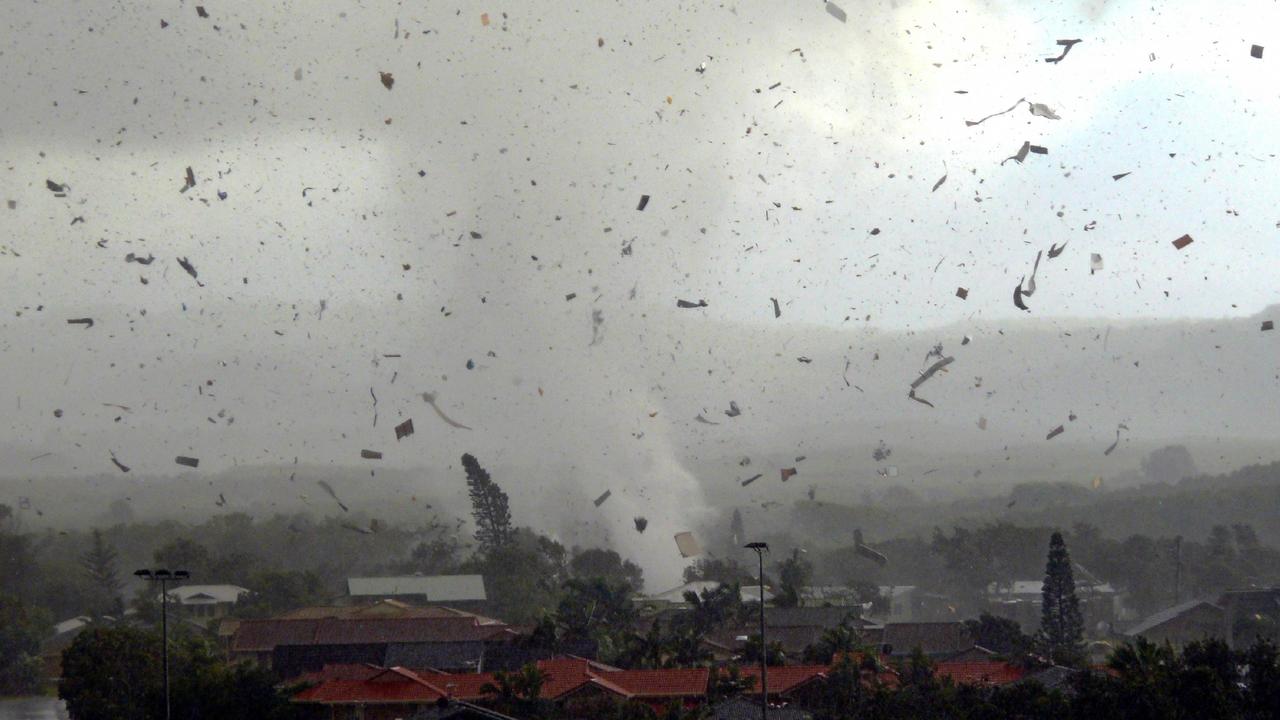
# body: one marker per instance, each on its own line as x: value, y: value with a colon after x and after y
x: 164, y: 577
x: 761, y: 549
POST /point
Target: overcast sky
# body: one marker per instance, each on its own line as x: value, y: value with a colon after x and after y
x: 786, y: 154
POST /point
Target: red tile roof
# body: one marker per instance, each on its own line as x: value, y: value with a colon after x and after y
x: 979, y: 672
x: 392, y: 685
x: 785, y: 678
x: 676, y: 682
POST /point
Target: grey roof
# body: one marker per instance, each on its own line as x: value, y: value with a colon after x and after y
x: 436, y: 588
x: 1164, y: 616
x: 440, y: 656
x: 934, y: 638
x: 743, y: 708
x: 458, y: 710
x: 824, y: 617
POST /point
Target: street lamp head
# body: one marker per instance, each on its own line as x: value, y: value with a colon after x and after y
x: 757, y: 546
x: 142, y: 573
x: 162, y: 573
x: 181, y: 574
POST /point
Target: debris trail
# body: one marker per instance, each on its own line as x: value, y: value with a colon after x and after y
x: 924, y: 376
x: 430, y: 398
x: 971, y: 123
x: 1066, y: 48
x: 329, y: 489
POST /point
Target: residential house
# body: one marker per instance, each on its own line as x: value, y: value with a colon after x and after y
x: 465, y: 591
x: 1181, y: 623
x: 389, y: 693
x: 1248, y: 614
x: 307, y: 640
x: 675, y: 596
x: 202, y: 604
x: 1019, y: 600
x: 938, y: 640
x: 985, y: 673
x: 794, y: 628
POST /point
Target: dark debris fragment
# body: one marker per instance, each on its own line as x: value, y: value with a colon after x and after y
x: 1066, y: 48
x: 187, y: 461
x: 687, y: 304
x: 404, y: 429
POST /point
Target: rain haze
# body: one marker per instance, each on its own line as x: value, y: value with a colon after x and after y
x: 564, y: 238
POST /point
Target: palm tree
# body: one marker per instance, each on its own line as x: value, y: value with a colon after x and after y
x: 1142, y: 662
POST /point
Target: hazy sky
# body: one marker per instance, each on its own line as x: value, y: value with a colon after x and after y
x: 451, y: 215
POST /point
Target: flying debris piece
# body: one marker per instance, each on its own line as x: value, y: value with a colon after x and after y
x: 733, y: 410
x: 222, y: 500
x: 962, y: 293
x: 912, y: 394
x: 966, y: 340
x: 687, y: 304
x: 201, y: 11
x: 139, y: 259
x: 982, y: 423
x: 882, y: 452
x: 404, y: 429
x: 597, y: 325
x: 924, y: 376
x: 1066, y: 48
x: 370, y: 455
x: 1268, y: 325
x: 644, y: 200
x: 387, y: 79
x: 1097, y: 482
x: 600, y: 500
x: 705, y: 421
x: 941, y: 179
x: 188, y: 461
x: 355, y: 528
x: 86, y: 322
x: 1110, y: 449
x: 430, y: 398
x: 688, y: 545
x: 484, y: 19
x: 777, y: 311
x: 788, y: 473
x: 1117, y: 177
x: 752, y: 479
x: 329, y: 489
x: 1022, y: 152
x: 190, y: 180
x: 57, y: 187
x: 834, y: 11
x: 1182, y: 242
x: 971, y: 123
x: 1095, y: 263
x: 805, y: 360
x: 1256, y: 51
x: 1017, y: 296
x: 1055, y: 250
x: 867, y: 552
x: 641, y: 524
x: 122, y: 466
x: 1010, y: 504
x: 1042, y: 110
x: 1054, y: 433
x: 186, y: 265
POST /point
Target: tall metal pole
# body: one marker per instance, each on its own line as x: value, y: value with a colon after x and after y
x: 164, y: 638
x: 760, y: 549
x: 764, y: 649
